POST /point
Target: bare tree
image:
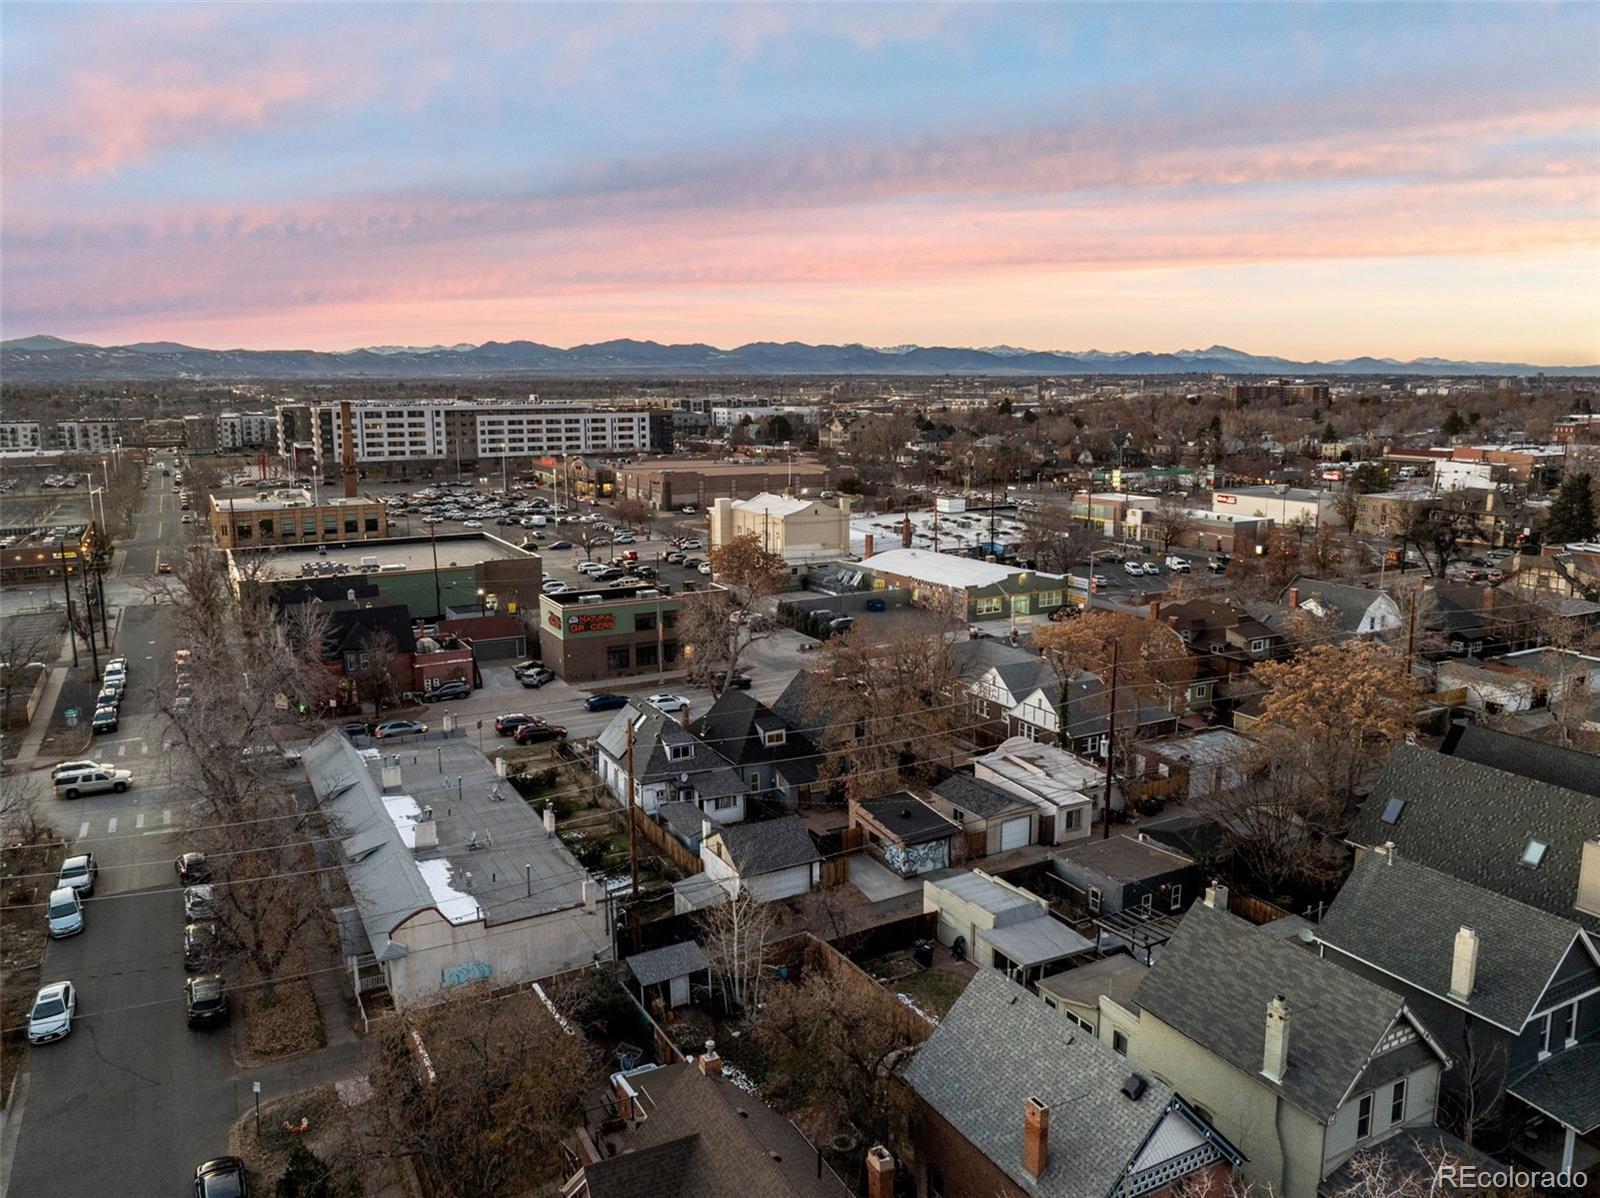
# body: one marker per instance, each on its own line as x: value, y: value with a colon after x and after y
x: 1173, y: 520
x: 735, y: 933
x: 634, y: 513
x: 589, y: 538
x: 1052, y: 539
x: 720, y: 625
x: 1347, y: 506
x: 23, y: 817
x: 377, y: 670
x: 24, y: 643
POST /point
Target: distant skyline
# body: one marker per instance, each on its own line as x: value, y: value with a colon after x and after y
x: 1312, y: 182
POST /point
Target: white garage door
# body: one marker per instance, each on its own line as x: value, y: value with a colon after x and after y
x: 1014, y: 834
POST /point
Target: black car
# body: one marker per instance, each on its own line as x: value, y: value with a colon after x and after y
x: 505, y: 725
x: 222, y: 1177
x: 354, y: 729
x: 739, y: 682
x: 537, y: 731
x: 206, y: 1000
x: 446, y: 691
x: 559, y: 545
x: 605, y: 702
x: 192, y: 868
x: 199, y: 945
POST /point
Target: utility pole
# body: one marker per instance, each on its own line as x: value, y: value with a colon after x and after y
x: 88, y: 611
x: 1411, y: 630
x: 433, y: 540
x: 66, y: 587
x: 1111, y: 740
x: 633, y: 848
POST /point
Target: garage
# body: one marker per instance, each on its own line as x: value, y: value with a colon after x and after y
x: 1014, y: 834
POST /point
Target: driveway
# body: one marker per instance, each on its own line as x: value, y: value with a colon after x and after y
x: 877, y: 881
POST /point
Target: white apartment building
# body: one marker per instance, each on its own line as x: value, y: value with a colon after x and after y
x: 21, y: 434
x: 86, y: 436
x: 245, y: 430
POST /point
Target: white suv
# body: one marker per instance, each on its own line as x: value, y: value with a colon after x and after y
x: 92, y: 782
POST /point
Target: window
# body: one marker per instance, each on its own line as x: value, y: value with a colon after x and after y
x: 1175, y: 899
x: 1258, y: 645
x: 330, y: 525
x: 679, y: 752
x: 644, y: 621
x: 350, y: 524
x: 725, y: 802
x: 1364, y: 1117
x: 776, y: 738
x: 1074, y: 819
x: 372, y: 523
x: 308, y: 526
x: 1397, y: 1103
x: 669, y: 652
x: 1534, y: 853
x: 617, y: 657
x: 1146, y: 903
x: 1119, y: 1043
x: 988, y: 606
x: 935, y: 1182
x: 1094, y: 898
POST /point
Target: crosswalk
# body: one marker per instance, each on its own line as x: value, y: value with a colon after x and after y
x: 143, y: 824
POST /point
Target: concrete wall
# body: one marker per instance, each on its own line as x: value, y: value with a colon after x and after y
x: 522, y: 950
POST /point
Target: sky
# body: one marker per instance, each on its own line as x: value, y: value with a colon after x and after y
x: 1316, y: 181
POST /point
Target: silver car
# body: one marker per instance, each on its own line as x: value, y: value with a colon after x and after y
x: 53, y: 1008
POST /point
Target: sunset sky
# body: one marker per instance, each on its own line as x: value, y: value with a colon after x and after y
x: 1313, y: 181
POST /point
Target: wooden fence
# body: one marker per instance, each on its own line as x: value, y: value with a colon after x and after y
x: 1254, y: 910
x: 662, y: 840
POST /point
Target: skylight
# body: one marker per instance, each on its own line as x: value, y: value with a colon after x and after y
x: 1534, y: 853
x: 1392, y: 810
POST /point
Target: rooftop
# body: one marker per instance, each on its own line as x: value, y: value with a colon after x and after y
x: 287, y: 497
x: 773, y: 505
x: 908, y: 818
x: 945, y: 569
x: 984, y: 800
x: 410, y: 553
x: 1115, y: 977
x: 1124, y: 858
x: 979, y: 889
x: 1043, y: 770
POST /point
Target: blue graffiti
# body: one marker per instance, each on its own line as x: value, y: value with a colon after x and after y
x: 462, y: 975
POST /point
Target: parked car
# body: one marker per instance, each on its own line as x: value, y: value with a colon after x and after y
x: 694, y: 543
x: 1099, y: 580
x: 390, y: 729
x: 605, y: 702
x: 105, y: 720
x: 446, y: 691
x: 117, y: 665
x: 559, y: 545
x: 505, y: 725
x: 199, y: 945
x: 79, y: 873
x: 687, y: 509
x: 53, y: 1008
x: 704, y: 567
x: 675, y: 557
x: 534, y: 679
x: 110, y: 696
x: 198, y: 903
x: 1133, y: 568
x: 222, y: 1177
x: 192, y: 868
x: 63, y: 913
x: 668, y: 702
x: 877, y: 605
x: 536, y: 731
x: 355, y: 728
x: 739, y: 682
x: 206, y: 1000
x: 75, y: 784
x: 1178, y: 565
x: 624, y: 538
x: 73, y: 767
x: 1151, y: 568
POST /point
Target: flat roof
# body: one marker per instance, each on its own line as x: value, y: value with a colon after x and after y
x: 413, y: 553
x: 908, y: 818
x: 945, y: 569
x: 713, y: 466
x: 287, y: 497
x: 582, y: 596
x: 1035, y: 941
x: 1115, y: 977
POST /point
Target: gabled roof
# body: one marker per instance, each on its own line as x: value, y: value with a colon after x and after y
x: 736, y: 726
x: 975, y: 656
x: 1476, y: 822
x: 671, y: 961
x: 1000, y: 1045
x: 982, y: 799
x: 1402, y: 918
x: 655, y: 733
x: 768, y: 845
x: 1214, y: 979
x: 1345, y: 605
x: 1539, y: 760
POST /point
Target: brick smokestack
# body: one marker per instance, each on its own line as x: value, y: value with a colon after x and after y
x: 348, y: 458
x: 1294, y: 597
x: 1035, y: 1137
x: 905, y: 531
x: 710, y: 1063
x: 866, y: 550
x: 880, y: 1173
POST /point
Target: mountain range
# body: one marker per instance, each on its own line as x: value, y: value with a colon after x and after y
x: 48, y: 359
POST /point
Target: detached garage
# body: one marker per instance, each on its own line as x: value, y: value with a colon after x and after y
x: 773, y: 859
x: 906, y: 834
x: 994, y: 819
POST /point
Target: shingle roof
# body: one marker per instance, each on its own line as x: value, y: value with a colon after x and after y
x: 735, y: 726
x: 1402, y: 917
x: 1571, y: 769
x: 663, y: 964
x: 1348, y: 604
x: 976, y: 656
x: 1000, y: 1045
x: 705, y: 1138
x: 1412, y: 1159
x: 654, y: 734
x: 1213, y: 982
x: 1474, y: 822
x: 982, y: 799
x: 768, y: 845
x: 1566, y: 1087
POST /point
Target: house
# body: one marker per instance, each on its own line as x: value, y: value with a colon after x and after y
x: 1015, y: 692
x: 1121, y: 873
x: 1207, y: 764
x: 909, y: 836
x: 763, y: 747
x: 1078, y: 993
x: 996, y: 818
x: 1488, y: 688
x: 1570, y: 769
x: 428, y: 866
x: 668, y: 764
x: 1477, y: 620
x: 772, y: 859
x: 1519, y: 836
x: 1063, y: 789
x: 1351, y: 610
x: 1009, y: 1100
x: 1299, y: 1063
x: 1088, y: 713
x: 1224, y: 640
x: 1568, y: 575
x: 669, y: 973
x: 1561, y: 673
x: 684, y: 1131
x: 1000, y: 926
x: 1508, y: 988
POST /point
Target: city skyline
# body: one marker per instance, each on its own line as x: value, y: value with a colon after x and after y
x: 1310, y: 183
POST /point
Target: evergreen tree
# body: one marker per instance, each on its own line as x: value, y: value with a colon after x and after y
x: 1571, y: 516
x: 1454, y: 425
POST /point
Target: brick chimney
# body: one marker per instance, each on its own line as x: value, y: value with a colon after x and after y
x: 880, y: 1172
x: 1275, y: 1057
x: 710, y: 1063
x: 1294, y: 597
x: 866, y: 550
x: 1464, y: 965
x: 1035, y: 1137
x: 905, y: 531
x: 1154, y: 612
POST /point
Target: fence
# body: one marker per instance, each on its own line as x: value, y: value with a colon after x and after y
x: 1254, y: 910
x: 812, y: 955
x: 662, y: 840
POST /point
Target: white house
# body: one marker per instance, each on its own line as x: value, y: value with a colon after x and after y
x: 670, y: 764
x: 1060, y: 785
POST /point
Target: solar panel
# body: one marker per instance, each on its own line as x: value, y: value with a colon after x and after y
x: 1392, y: 810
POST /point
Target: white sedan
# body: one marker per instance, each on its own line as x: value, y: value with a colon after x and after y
x: 53, y: 1009
x: 472, y: 524
x: 666, y: 702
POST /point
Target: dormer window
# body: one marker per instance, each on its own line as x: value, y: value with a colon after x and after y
x: 776, y: 738
x: 1534, y: 853
x: 679, y: 752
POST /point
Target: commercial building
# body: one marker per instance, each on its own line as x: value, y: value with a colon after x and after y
x: 606, y: 633
x: 37, y: 554
x: 398, y: 436
x: 1285, y: 506
x: 798, y: 530
x: 1278, y: 389
x: 987, y: 590
x: 292, y: 516
x: 671, y: 483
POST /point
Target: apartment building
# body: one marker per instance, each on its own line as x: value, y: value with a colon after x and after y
x: 21, y: 434
x: 245, y: 430
x: 87, y: 436
x: 399, y: 435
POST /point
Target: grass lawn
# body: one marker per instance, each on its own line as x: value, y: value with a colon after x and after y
x: 933, y: 990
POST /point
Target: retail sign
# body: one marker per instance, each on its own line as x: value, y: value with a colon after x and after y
x: 1227, y: 499
x: 592, y: 621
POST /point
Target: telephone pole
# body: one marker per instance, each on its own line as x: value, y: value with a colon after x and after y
x: 66, y: 587
x: 1111, y: 740
x: 1411, y: 630
x: 633, y: 848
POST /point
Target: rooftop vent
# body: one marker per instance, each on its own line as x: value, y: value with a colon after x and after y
x: 1134, y: 1088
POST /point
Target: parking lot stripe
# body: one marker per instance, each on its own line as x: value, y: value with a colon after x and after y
x: 166, y: 816
x: 83, y: 829
x: 122, y: 749
x: 111, y: 826
x: 139, y: 820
